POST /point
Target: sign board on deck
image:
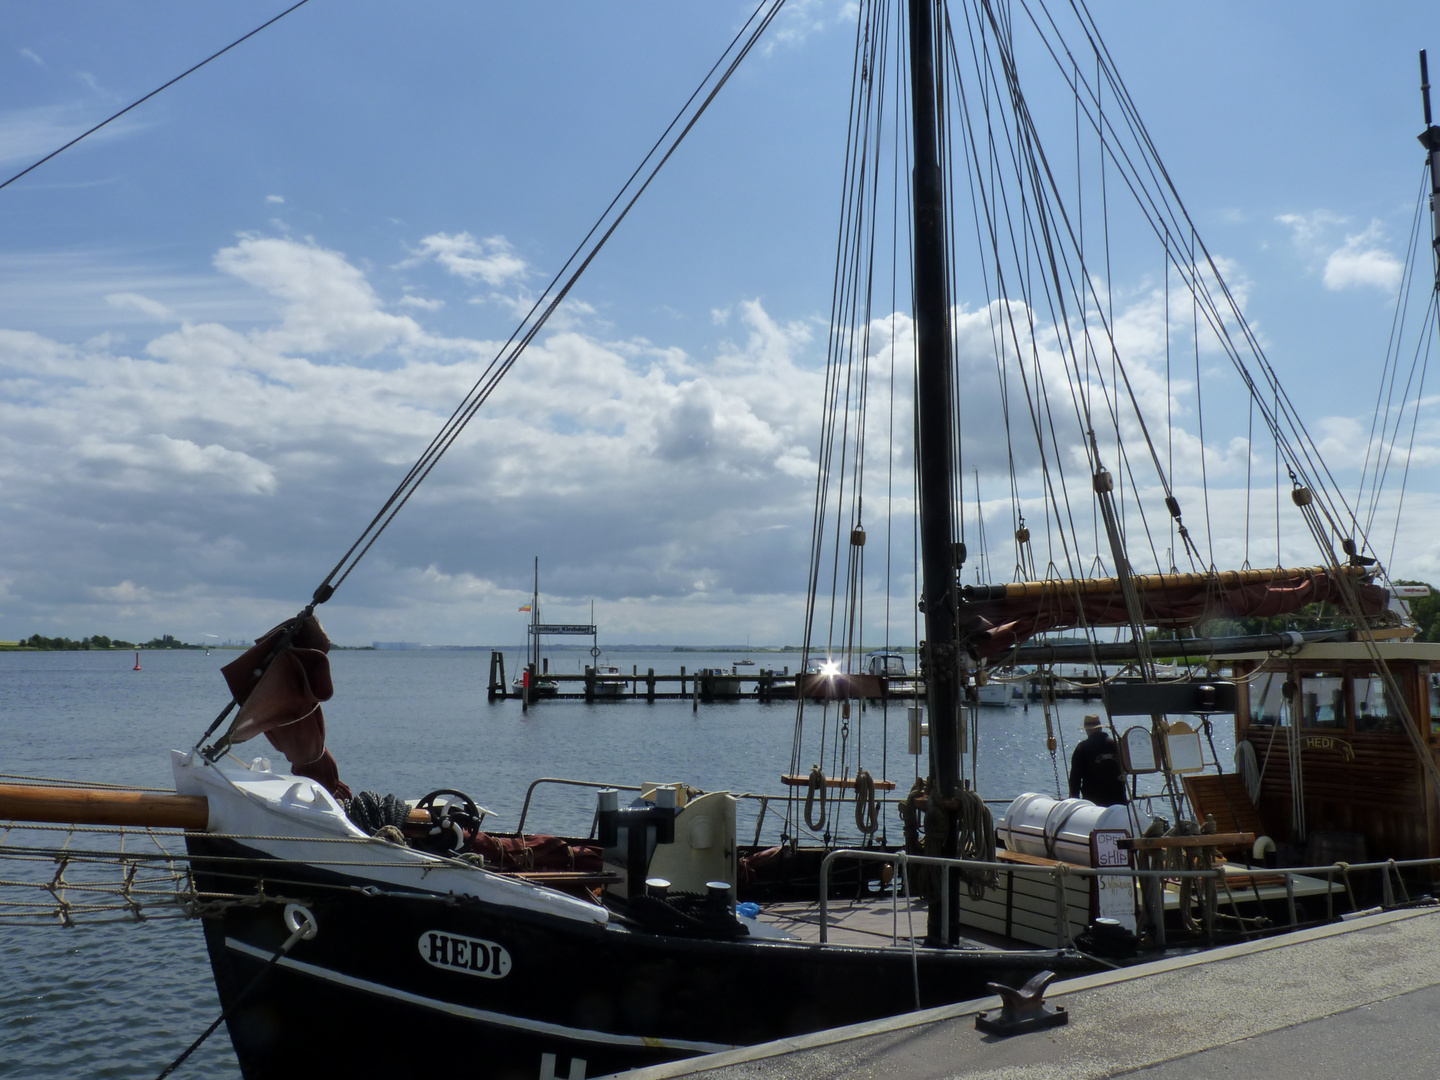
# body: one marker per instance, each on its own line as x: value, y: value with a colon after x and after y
x: 1113, y: 896
x: 1137, y: 750
x: 1182, y: 747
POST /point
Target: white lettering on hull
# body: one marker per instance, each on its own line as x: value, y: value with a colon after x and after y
x: 473, y: 956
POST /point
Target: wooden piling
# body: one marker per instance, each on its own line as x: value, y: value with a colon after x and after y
x: 497, y: 690
x: 650, y: 685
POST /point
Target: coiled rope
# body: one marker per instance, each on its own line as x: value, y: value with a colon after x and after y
x: 817, y: 783
x: 371, y: 811
x: 867, y: 809
x: 975, y: 839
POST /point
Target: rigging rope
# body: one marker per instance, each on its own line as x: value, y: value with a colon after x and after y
x: 558, y: 288
x: 163, y: 86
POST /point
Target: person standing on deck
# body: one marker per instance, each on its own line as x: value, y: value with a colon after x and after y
x: 1095, y: 771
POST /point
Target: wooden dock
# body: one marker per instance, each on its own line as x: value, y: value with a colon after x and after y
x: 706, y: 684
x: 1349, y: 1000
x: 734, y: 683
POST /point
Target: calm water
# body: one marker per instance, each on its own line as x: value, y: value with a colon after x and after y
x: 123, y: 1000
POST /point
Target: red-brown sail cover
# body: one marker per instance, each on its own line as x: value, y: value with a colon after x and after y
x: 993, y: 625
x: 283, y: 703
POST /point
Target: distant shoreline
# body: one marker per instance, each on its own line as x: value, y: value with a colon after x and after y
x: 87, y: 645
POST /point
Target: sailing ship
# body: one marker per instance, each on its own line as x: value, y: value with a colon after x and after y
x: 352, y: 933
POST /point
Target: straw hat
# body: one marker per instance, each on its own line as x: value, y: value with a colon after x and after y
x: 1092, y: 722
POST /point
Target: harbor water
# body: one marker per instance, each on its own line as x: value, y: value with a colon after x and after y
x: 123, y: 999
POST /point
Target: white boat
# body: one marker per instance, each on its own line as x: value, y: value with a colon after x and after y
x: 610, y: 681
x: 993, y: 693
x: 890, y: 668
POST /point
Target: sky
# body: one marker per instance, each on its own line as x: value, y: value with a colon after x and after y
x: 231, y: 320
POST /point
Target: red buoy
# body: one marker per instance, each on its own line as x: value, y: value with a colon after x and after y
x: 137, y: 662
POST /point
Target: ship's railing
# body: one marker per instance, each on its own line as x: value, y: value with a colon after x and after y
x: 1227, y: 876
x: 760, y: 801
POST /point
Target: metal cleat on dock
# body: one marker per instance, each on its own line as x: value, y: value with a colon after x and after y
x: 1022, y: 1010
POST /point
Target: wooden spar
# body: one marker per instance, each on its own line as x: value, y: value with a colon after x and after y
x: 87, y: 806
x: 91, y: 806
x: 846, y: 782
x: 1020, y: 590
x: 1109, y: 652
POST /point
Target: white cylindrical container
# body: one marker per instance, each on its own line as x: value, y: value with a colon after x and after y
x: 1057, y: 829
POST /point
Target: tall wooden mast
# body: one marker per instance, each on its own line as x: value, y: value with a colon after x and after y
x: 1430, y: 139
x: 934, y: 434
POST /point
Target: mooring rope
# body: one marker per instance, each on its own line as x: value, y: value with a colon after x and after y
x: 304, y: 929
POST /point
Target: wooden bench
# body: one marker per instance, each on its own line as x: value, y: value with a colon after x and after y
x: 1226, y: 798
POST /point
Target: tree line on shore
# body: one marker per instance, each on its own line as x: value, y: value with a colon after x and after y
x: 100, y: 641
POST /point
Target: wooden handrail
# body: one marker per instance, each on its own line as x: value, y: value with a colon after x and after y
x: 847, y: 782
x: 1161, y: 843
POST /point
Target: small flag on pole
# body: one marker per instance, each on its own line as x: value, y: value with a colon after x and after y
x: 525, y: 608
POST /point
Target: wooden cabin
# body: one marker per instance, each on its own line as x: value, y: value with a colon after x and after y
x: 1365, y: 795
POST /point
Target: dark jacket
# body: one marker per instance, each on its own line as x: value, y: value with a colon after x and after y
x: 1095, y: 771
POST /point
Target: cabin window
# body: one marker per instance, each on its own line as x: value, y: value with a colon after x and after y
x: 1267, y: 700
x: 1375, y: 708
x: 1322, y: 700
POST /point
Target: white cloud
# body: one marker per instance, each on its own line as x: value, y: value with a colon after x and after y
x: 1310, y: 231
x: 329, y: 305
x: 27, y: 134
x: 33, y: 57
x: 274, y: 198
x: 143, y: 304
x: 491, y: 260
x: 1360, y: 260
x: 799, y: 19
x: 127, y: 592
x: 421, y: 303
x: 158, y: 459
x: 215, y: 470
x: 214, y: 466
x: 1363, y: 262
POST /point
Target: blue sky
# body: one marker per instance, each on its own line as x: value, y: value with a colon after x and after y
x: 230, y: 321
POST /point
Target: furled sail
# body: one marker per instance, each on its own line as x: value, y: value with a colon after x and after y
x: 996, y: 618
x: 282, y: 700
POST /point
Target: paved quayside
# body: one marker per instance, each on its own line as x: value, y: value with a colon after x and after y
x: 1351, y: 1000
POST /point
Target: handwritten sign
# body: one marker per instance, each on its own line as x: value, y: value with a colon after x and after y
x: 1137, y: 748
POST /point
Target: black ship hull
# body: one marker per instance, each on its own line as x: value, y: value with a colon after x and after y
x: 410, y: 982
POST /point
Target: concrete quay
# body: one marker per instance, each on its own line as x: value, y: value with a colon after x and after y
x: 1353, y: 1000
